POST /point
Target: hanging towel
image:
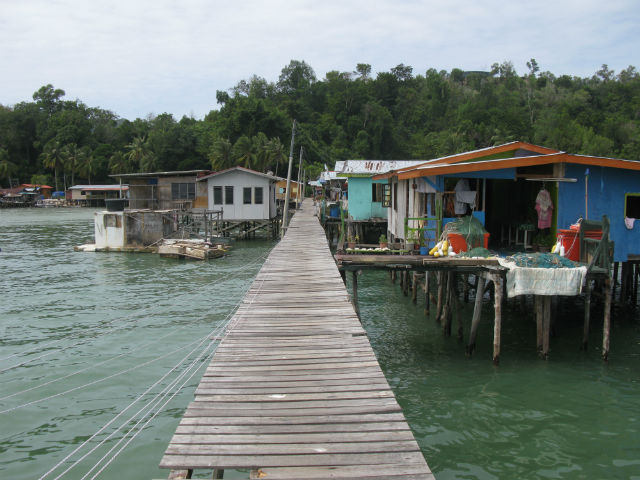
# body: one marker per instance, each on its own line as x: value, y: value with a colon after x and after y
x: 464, y: 197
x: 628, y: 222
x: 544, y: 207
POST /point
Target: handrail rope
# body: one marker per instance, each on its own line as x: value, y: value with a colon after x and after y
x: 150, y: 405
x: 138, y: 347
x: 200, y: 341
x: 219, y: 327
x: 243, y: 267
x: 158, y: 410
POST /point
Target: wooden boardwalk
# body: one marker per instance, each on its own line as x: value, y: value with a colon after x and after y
x: 294, y: 391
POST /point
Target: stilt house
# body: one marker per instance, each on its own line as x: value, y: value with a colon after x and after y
x: 502, y: 187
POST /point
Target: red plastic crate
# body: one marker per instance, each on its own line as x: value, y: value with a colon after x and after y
x: 459, y: 244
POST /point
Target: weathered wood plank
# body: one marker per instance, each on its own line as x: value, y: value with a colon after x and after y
x: 294, y: 385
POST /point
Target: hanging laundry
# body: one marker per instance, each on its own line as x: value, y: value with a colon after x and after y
x: 544, y: 207
x: 464, y: 197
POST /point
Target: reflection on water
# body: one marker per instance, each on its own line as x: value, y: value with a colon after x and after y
x: 85, y: 335
x: 571, y: 417
x: 90, y: 336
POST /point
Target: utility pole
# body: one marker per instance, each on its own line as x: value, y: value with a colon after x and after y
x: 286, y: 193
x: 299, y: 173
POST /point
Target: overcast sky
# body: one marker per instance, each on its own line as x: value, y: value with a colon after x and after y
x: 141, y: 57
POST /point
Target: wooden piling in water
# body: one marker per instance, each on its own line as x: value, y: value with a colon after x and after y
x: 587, y: 313
x: 539, y: 306
x: 439, y: 279
x: 497, y: 322
x: 426, y: 294
x: 607, y: 318
x: 477, y: 312
x: 354, y: 297
x: 546, y: 326
x: 414, y: 287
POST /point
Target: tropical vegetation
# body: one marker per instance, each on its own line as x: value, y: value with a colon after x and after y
x: 346, y: 115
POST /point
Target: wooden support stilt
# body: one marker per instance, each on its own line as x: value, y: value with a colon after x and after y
x: 427, y: 303
x: 457, y: 309
x: 546, y: 326
x: 446, y: 310
x: 497, y: 322
x: 414, y: 287
x: 587, y: 313
x: 607, y: 318
x: 477, y: 312
x: 393, y: 276
x: 465, y: 288
x: 405, y: 283
x: 343, y: 274
x: 440, y: 279
x: 636, y: 272
x: 539, y: 306
x: 218, y: 473
x: 355, y: 293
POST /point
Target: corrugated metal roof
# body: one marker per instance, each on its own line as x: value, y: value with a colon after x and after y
x: 99, y: 187
x: 372, y: 167
x: 241, y: 169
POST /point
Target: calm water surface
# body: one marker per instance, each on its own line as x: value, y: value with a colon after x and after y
x: 111, y: 346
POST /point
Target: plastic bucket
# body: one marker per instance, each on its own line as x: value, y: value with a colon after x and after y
x: 424, y: 250
x: 569, y: 239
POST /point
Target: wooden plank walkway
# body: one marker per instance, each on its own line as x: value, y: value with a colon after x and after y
x: 294, y: 390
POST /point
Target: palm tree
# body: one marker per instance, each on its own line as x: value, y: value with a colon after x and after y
x: 139, y: 154
x: 220, y: 154
x: 87, y: 165
x: 119, y: 163
x: 244, y: 152
x: 276, y: 152
x: 73, y: 159
x: 7, y: 168
x: 261, y: 158
x: 52, y: 157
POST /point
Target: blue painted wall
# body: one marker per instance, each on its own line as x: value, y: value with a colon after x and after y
x: 361, y: 204
x: 607, y: 188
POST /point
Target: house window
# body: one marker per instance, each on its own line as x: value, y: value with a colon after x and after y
x: 246, y: 195
x: 228, y: 195
x: 386, y: 195
x: 217, y: 195
x: 632, y: 205
x: 183, y: 191
x: 377, y: 194
x: 257, y: 194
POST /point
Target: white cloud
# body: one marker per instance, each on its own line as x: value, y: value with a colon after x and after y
x: 147, y: 56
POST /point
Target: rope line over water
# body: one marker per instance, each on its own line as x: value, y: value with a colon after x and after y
x: 219, y: 332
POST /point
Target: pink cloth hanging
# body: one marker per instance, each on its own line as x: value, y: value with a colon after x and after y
x: 544, y: 207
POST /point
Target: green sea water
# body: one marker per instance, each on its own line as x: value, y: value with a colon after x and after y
x: 100, y: 354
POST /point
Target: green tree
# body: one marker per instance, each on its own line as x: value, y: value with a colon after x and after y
x: 139, y: 155
x: 7, y: 168
x: 53, y: 158
x: 221, y: 154
x: 244, y: 152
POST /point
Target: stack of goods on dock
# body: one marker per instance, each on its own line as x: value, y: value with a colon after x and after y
x: 466, y: 233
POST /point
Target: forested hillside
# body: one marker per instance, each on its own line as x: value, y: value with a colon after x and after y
x: 399, y: 114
